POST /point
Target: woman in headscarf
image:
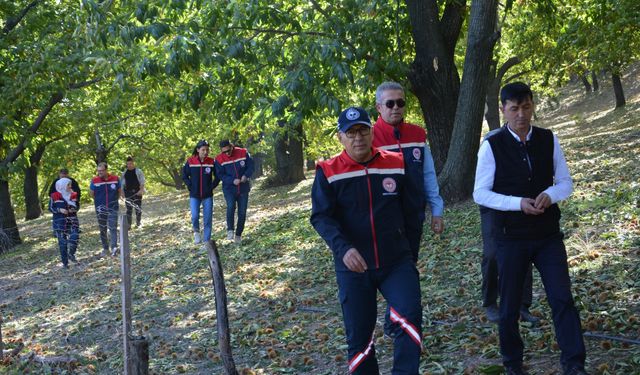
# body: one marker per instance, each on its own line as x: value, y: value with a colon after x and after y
x: 64, y: 205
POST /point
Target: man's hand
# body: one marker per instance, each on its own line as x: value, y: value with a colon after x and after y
x: 63, y: 211
x: 527, y: 205
x: 543, y: 201
x: 140, y: 192
x: 437, y: 224
x: 243, y: 179
x: 236, y: 181
x: 354, y: 261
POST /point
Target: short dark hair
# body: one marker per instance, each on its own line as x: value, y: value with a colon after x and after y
x: 224, y: 143
x: 516, y: 91
x: 129, y: 158
x: 63, y: 171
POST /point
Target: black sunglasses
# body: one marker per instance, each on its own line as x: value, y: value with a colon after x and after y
x: 392, y: 103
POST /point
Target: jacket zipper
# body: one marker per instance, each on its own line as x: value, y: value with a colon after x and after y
x: 373, y: 227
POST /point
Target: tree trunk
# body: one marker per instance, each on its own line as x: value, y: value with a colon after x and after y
x: 289, y: 155
x: 493, y: 91
x: 433, y: 75
x: 258, y: 164
x: 30, y: 187
x: 617, y: 89
x: 9, y: 235
x: 456, y: 179
x: 594, y: 79
x: 585, y: 82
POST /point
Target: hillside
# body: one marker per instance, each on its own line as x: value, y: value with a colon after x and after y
x: 283, y: 308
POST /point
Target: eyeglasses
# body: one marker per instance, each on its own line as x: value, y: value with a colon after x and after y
x: 101, y: 170
x: 392, y: 103
x: 363, y: 131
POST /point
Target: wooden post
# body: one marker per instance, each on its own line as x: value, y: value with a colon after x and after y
x: 1, y: 344
x: 139, y: 351
x: 125, y: 268
x: 221, y: 308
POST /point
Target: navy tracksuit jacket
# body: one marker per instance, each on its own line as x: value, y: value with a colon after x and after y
x: 374, y: 208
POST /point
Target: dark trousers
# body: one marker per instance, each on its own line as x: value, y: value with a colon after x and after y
x: 133, y: 202
x: 108, y: 219
x: 400, y: 287
x: 490, y: 265
x: 67, y: 242
x: 242, y: 201
x: 550, y: 258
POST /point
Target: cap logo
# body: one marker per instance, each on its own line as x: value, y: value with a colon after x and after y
x: 352, y: 114
x: 389, y: 184
x: 417, y: 153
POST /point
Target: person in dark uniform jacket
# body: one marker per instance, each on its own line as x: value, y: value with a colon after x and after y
x: 64, y: 173
x: 368, y: 211
x: 63, y: 203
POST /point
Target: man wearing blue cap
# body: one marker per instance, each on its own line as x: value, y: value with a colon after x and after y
x: 365, y: 208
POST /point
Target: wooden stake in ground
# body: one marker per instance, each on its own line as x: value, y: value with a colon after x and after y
x: 125, y: 267
x: 139, y: 351
x: 1, y: 344
x: 221, y: 308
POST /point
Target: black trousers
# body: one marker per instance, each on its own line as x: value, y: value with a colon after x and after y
x: 550, y: 258
x: 490, y: 265
x: 133, y: 202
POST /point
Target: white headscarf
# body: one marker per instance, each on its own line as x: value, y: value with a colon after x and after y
x: 61, y: 187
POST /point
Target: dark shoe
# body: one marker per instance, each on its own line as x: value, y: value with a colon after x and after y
x: 515, y: 371
x: 65, y: 266
x: 526, y: 316
x: 576, y: 370
x: 105, y: 252
x: 493, y: 315
x: 72, y: 258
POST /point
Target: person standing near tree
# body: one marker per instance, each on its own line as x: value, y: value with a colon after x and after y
x: 521, y: 175
x: 366, y: 209
x: 105, y: 190
x: 392, y: 133
x: 133, y: 187
x: 64, y: 203
x: 199, y: 176
x: 64, y: 173
x: 234, y: 166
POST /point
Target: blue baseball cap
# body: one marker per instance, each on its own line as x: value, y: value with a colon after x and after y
x: 352, y: 116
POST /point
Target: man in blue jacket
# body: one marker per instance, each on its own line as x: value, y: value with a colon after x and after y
x: 234, y: 166
x: 367, y: 210
x: 105, y: 190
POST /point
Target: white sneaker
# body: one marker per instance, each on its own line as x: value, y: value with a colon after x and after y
x: 114, y: 251
x: 230, y: 235
x: 196, y: 238
x: 238, y: 240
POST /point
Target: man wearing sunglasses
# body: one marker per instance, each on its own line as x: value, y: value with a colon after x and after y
x: 365, y: 208
x: 392, y: 133
x: 234, y: 166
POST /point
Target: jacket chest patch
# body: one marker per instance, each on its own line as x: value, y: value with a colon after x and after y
x: 417, y: 153
x: 113, y: 186
x: 242, y: 163
x: 207, y: 170
x: 390, y: 186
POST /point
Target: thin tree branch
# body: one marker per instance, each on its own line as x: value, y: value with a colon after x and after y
x: 11, y: 23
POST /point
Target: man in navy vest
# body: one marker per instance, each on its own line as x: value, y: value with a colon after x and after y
x: 105, y: 190
x: 521, y: 175
x: 367, y: 210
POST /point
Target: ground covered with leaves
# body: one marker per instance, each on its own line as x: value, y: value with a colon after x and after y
x: 283, y: 307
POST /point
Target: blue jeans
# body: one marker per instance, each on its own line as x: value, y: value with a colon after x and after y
x: 108, y: 219
x: 207, y: 213
x: 242, y: 200
x: 67, y: 242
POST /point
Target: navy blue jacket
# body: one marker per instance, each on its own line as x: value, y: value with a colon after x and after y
x: 234, y: 166
x: 63, y: 222
x: 200, y: 177
x: 371, y: 207
x: 106, y: 193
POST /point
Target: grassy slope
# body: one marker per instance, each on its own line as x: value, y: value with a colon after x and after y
x: 281, y: 288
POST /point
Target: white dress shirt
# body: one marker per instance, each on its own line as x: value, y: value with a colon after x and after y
x: 484, y: 195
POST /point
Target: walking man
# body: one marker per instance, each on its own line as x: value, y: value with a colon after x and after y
x: 105, y: 190
x: 521, y: 176
x: 133, y: 187
x: 364, y: 206
x: 234, y: 166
